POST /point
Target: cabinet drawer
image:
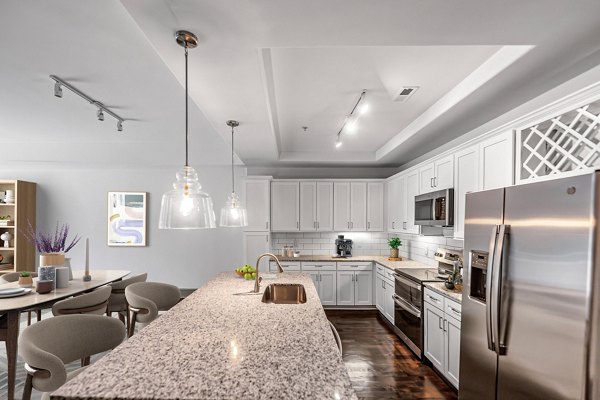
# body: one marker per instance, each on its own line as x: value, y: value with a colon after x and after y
x: 380, y: 269
x: 389, y: 274
x: 452, y: 308
x: 287, y: 266
x: 434, y: 298
x: 356, y: 266
x: 318, y: 266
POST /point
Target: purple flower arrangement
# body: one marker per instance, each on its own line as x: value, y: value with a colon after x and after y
x: 52, y: 243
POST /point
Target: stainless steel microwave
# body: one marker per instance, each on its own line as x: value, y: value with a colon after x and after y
x: 435, y: 208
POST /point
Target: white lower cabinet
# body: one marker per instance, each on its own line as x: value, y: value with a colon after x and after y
x: 324, y: 277
x: 384, y: 290
x: 441, y: 320
x: 354, y: 284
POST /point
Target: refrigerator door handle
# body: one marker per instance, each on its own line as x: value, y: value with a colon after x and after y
x: 489, y: 303
x: 502, y: 290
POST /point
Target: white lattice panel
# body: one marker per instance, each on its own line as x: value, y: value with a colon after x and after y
x: 568, y: 142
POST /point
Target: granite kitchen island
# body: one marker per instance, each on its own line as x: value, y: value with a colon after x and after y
x: 223, y: 343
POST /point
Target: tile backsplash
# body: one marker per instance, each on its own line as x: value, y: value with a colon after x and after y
x: 417, y: 248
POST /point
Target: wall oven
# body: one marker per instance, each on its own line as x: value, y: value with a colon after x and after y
x: 407, y: 313
x: 435, y: 208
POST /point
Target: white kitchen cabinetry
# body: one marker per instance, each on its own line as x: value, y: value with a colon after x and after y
x: 308, y: 206
x: 285, y: 206
x: 354, y: 284
x: 384, y: 290
x: 316, y: 206
x: 437, y: 175
x: 442, y: 334
x: 325, y: 206
x: 396, y: 204
x: 255, y: 244
x: 341, y: 206
x: 258, y: 205
x: 324, y: 277
x: 411, y: 189
x: 358, y: 206
x: 350, y: 206
x: 375, y: 193
x: 496, y: 162
x: 466, y: 178
x: 288, y: 266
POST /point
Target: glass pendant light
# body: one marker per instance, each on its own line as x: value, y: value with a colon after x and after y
x: 186, y: 206
x: 233, y: 214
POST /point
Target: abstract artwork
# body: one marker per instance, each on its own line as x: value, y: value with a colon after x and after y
x: 126, y: 218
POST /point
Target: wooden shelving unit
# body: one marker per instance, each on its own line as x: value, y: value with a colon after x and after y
x: 21, y: 254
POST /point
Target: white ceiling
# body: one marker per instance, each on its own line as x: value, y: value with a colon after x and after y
x: 277, y: 66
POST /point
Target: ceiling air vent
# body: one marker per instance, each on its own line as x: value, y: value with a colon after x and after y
x: 404, y: 93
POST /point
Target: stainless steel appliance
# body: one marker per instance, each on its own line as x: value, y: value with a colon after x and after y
x: 435, y: 208
x: 408, y: 297
x: 530, y: 310
x: 343, y: 247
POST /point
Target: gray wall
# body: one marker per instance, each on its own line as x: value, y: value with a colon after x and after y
x: 78, y: 196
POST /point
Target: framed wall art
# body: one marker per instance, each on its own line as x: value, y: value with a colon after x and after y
x: 126, y: 223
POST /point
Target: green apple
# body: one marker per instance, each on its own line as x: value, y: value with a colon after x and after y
x: 247, y: 276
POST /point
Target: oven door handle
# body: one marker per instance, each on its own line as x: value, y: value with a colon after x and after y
x: 406, y: 306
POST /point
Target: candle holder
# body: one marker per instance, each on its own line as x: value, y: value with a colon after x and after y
x: 87, y: 278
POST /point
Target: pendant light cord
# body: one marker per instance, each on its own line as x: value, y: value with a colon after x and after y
x: 232, y: 175
x: 186, y: 106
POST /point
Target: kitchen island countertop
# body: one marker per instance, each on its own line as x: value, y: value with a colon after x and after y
x: 223, y: 343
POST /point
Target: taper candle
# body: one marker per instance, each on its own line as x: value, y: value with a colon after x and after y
x: 86, y: 276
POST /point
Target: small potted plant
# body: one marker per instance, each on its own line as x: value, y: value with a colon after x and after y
x: 394, y: 243
x: 25, y: 279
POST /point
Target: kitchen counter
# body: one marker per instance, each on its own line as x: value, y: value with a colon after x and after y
x: 441, y: 289
x: 221, y: 342
x: 381, y: 260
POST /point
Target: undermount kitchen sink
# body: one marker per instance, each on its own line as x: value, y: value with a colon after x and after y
x: 284, y: 293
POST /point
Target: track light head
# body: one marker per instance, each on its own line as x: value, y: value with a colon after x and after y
x: 338, y: 142
x: 100, y: 115
x: 57, y: 90
x: 120, y: 126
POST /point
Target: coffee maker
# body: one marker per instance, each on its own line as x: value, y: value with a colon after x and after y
x: 343, y: 247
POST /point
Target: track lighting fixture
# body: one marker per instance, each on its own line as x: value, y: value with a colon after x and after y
x: 350, y: 122
x: 59, y: 83
x: 57, y: 90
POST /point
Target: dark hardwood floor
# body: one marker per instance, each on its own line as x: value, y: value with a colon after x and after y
x: 379, y: 364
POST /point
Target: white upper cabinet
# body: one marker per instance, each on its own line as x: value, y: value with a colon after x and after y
x: 255, y: 244
x: 258, y: 205
x: 396, y: 204
x: 426, y: 175
x: 466, y: 178
x: 496, y: 162
x: 325, y: 206
x: 358, y: 206
x: 444, y: 173
x: 341, y: 206
x: 411, y: 189
x: 285, y: 206
x: 316, y: 206
x: 375, y: 192
x: 437, y: 175
x: 308, y: 206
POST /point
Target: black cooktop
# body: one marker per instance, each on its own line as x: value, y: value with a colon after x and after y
x: 420, y: 274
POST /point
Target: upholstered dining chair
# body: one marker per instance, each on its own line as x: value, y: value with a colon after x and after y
x: 117, y: 301
x: 50, y: 344
x: 146, y: 299
x: 90, y: 303
x: 13, y: 277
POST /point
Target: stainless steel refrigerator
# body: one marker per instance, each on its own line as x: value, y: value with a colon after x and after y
x: 530, y: 310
